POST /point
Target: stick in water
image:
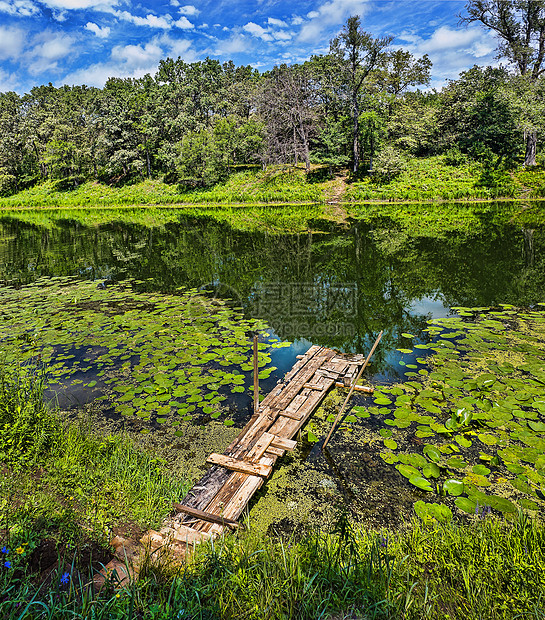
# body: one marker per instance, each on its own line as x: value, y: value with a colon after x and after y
x: 256, y: 378
x: 341, y: 411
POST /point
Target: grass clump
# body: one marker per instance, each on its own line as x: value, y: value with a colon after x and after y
x: 63, y: 483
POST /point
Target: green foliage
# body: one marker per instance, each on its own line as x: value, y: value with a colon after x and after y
x: 27, y: 429
x: 454, y: 157
x: 389, y: 164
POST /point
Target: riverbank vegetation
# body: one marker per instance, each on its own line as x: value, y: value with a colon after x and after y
x: 429, y: 179
x: 193, y: 125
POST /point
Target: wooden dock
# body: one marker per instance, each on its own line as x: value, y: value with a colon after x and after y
x: 220, y: 497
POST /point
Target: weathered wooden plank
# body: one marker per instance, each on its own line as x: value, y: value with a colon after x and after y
x: 259, y: 447
x: 274, y: 451
x: 253, y: 469
x: 291, y: 411
x: 282, y: 443
x: 206, y: 516
x: 307, y: 373
x: 188, y: 535
x: 358, y: 388
x: 313, y: 386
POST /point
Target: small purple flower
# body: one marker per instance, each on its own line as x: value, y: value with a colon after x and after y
x: 65, y: 578
x: 383, y: 541
x: 7, y: 564
x: 5, y: 550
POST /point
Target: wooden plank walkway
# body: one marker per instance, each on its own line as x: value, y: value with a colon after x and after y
x: 219, y: 498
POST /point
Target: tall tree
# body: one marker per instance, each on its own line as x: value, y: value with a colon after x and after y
x: 358, y: 55
x: 289, y: 106
x: 520, y: 25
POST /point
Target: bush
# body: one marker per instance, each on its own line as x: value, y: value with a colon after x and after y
x: 454, y: 157
x: 389, y: 164
x: 8, y: 184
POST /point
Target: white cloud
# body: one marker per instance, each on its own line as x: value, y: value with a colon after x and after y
x: 330, y: 13
x: 152, y: 21
x: 133, y: 61
x: 184, y: 23
x: 174, y: 3
x: 234, y: 45
x: 20, y: 8
x: 137, y: 55
x: 257, y: 31
x: 7, y: 81
x: 175, y: 47
x: 452, y: 51
x: 80, y: 4
x: 297, y: 21
x: 12, y: 41
x: 188, y: 9
x: 101, y: 33
x: 46, y: 50
x: 272, y: 21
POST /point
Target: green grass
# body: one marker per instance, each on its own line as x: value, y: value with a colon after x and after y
x: 275, y: 185
x: 489, y: 569
x: 62, y: 480
x: 424, y: 179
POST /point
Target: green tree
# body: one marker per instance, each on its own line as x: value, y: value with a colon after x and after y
x: 520, y: 26
x: 357, y: 56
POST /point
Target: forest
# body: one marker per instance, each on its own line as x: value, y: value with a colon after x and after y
x: 364, y: 105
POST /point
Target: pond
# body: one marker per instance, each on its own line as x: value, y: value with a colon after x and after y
x: 336, y: 286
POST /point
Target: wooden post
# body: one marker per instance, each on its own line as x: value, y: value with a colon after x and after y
x: 341, y: 411
x: 256, y: 377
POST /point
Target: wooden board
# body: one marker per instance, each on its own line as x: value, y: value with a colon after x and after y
x: 283, y: 444
x: 253, y: 469
x: 206, y: 516
x: 188, y: 535
x: 259, y: 447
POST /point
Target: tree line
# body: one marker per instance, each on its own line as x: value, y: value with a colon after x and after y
x: 362, y: 105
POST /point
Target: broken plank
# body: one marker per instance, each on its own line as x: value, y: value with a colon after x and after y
x: 274, y: 452
x: 188, y: 535
x: 282, y: 443
x: 358, y: 388
x: 258, y: 449
x: 313, y: 386
x: 206, y: 516
x: 252, y: 469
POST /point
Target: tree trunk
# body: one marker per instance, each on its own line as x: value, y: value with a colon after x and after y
x: 355, y: 131
x: 531, y: 146
x: 148, y: 164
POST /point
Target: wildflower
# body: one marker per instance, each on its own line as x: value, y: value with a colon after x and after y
x: 5, y: 550
x: 118, y: 595
x: 7, y: 564
x: 65, y: 578
x: 24, y: 544
x: 383, y: 541
x: 19, y: 550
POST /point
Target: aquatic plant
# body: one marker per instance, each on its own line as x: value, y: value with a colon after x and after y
x: 472, y: 426
x: 160, y: 357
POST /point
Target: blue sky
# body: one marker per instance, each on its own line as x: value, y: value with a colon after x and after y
x: 87, y: 41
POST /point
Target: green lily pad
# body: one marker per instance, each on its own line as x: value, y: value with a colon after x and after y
x: 421, y: 483
x: 453, y: 487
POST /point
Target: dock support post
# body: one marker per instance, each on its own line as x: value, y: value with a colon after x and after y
x: 256, y: 377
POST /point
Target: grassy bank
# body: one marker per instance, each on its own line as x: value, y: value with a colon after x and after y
x: 425, y: 179
x: 64, y: 489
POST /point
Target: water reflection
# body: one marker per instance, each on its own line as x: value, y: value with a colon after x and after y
x: 337, y: 289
